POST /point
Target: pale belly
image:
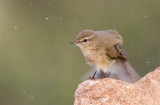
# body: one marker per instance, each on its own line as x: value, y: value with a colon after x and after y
x: 99, y: 61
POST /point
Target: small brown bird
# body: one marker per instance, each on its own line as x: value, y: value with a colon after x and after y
x: 102, y: 51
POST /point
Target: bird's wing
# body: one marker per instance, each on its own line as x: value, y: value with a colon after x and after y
x: 116, y: 52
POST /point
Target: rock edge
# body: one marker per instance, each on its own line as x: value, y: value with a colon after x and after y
x: 110, y: 91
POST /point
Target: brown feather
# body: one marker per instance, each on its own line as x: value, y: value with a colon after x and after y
x: 116, y: 52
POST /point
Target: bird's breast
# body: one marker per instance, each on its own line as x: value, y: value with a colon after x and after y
x: 96, y: 59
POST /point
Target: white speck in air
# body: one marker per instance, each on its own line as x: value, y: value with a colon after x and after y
x: 46, y: 18
x: 148, y: 62
x: 145, y: 16
x: 15, y: 27
x: 31, y: 97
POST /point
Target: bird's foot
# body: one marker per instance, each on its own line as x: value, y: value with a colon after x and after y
x: 107, y: 75
x: 93, y: 76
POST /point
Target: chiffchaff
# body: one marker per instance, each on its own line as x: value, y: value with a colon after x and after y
x: 103, y: 53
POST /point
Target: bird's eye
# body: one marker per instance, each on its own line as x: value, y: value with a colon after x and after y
x: 85, y: 40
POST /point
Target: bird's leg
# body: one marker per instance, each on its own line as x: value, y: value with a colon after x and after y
x: 104, y: 74
x: 93, y: 76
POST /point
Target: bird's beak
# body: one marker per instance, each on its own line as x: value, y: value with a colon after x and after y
x: 74, y: 42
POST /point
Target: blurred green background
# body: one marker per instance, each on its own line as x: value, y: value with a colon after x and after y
x: 38, y: 66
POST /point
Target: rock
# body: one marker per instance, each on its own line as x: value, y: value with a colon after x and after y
x: 109, y: 91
